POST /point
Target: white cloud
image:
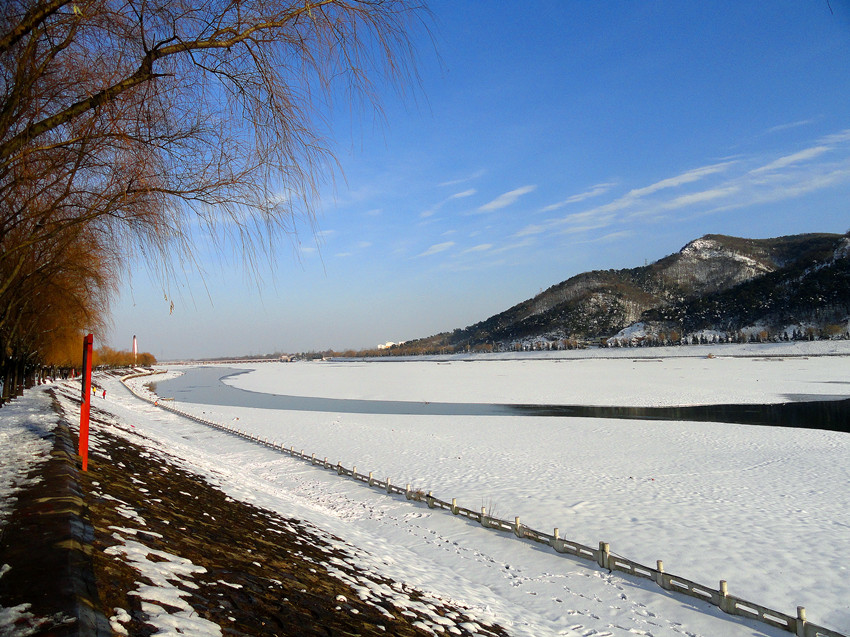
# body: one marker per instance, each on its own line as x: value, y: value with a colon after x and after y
x: 438, y: 247
x: 701, y: 197
x: 771, y: 187
x: 587, y: 227
x: 613, y: 236
x: 837, y: 138
x: 436, y: 207
x: 782, y: 127
x: 735, y: 185
x: 817, y: 182
x: 463, y: 180
x: 598, y: 217
x: 535, y: 228
x: 481, y: 247
x: 788, y: 187
x: 606, y: 215
x: 506, y: 199
x: 595, y: 191
x: 525, y: 243
x: 600, y: 213
x: 783, y: 162
x: 685, y: 178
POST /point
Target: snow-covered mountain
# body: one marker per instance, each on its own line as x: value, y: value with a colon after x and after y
x: 726, y: 285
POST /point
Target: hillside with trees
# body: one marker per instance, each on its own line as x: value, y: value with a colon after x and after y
x: 729, y: 286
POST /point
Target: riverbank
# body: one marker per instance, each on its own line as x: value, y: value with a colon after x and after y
x: 140, y: 544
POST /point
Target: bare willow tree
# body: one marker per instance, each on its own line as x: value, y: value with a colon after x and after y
x: 153, y: 123
x: 62, y: 288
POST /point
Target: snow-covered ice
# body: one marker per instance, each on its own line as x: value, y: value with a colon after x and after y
x: 750, y: 505
x: 633, y: 377
x: 766, y: 509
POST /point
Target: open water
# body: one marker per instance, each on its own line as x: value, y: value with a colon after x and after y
x: 203, y: 385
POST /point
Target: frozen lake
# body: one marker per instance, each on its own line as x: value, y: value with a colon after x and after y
x: 815, y: 409
x: 766, y: 509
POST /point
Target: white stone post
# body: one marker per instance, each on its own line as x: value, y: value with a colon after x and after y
x: 726, y: 605
x: 389, y: 489
x: 659, y: 576
x: 454, y: 506
x: 518, y: 528
x: 604, y: 555
x: 370, y: 479
x: 407, y: 491
x: 801, y: 621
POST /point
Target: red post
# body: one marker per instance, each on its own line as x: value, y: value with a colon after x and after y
x: 86, y: 406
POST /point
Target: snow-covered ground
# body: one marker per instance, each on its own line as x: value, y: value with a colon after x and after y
x: 24, y: 426
x: 766, y: 509
x: 22, y: 438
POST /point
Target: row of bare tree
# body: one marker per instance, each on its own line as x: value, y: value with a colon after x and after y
x: 133, y: 131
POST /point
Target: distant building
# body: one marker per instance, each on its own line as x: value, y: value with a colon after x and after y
x: 389, y: 344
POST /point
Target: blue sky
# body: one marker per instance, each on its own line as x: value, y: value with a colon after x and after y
x: 546, y: 139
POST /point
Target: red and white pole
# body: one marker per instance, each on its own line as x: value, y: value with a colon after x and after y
x: 85, y: 408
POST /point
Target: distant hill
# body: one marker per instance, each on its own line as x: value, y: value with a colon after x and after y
x: 716, y: 287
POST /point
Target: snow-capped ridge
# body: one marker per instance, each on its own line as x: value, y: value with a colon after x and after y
x: 706, y: 248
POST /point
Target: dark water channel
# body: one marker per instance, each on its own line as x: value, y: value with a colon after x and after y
x: 204, y: 385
